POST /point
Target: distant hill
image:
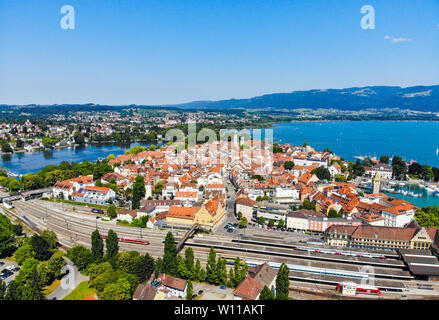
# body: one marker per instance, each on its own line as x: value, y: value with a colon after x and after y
x: 421, y: 98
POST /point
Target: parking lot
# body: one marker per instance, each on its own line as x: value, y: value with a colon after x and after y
x: 211, y: 292
x: 8, y: 270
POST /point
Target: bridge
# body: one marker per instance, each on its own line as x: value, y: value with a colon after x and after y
x: 187, y: 235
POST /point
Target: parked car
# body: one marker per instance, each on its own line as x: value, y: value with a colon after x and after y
x: 200, y: 291
x: 229, y: 230
x: 1, y: 263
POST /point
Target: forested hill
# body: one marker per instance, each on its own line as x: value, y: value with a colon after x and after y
x: 421, y: 98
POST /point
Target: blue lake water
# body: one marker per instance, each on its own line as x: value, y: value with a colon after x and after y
x: 23, y: 163
x: 417, y: 140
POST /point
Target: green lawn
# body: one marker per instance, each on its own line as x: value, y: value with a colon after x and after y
x: 49, y: 289
x: 82, y: 291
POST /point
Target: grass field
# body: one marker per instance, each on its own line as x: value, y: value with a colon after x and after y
x: 82, y: 291
x: 49, y: 289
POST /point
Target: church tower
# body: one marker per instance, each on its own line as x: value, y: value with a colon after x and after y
x: 376, y: 183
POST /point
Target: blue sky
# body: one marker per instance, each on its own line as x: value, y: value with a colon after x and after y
x: 164, y: 52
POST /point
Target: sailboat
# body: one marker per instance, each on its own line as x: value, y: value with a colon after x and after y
x: 437, y: 151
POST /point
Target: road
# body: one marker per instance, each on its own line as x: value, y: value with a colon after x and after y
x: 68, y: 283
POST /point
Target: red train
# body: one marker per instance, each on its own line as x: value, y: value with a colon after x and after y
x: 121, y: 239
x: 362, y: 288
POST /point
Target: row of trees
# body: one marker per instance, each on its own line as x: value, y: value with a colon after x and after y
x: 41, y: 264
x: 48, y: 176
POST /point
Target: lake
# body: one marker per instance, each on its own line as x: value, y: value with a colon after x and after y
x: 413, y: 140
x: 23, y: 163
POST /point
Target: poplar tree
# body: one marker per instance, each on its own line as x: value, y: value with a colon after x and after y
x: 170, y: 262
x: 189, y: 261
x: 112, y: 244
x: 189, y: 290
x: 211, y: 275
x: 97, y: 246
x: 266, y: 294
x: 282, y: 283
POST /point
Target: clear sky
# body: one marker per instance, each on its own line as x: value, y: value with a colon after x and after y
x: 164, y: 52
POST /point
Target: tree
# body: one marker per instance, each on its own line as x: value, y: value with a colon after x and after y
x: 288, y: 165
x: 196, y: 272
x: 308, y: 205
x: 340, y: 178
x: 239, y: 214
x: 112, y: 245
x: 189, y: 290
x: 182, y: 269
x: 282, y: 283
x: 189, y: 260
x: 32, y: 289
x: 50, y: 238
x: 2, y: 290
x: 399, y: 168
x: 271, y: 222
x: 427, y: 173
x: 358, y: 169
x: 266, y: 294
x: 139, y: 191
x: 112, y: 211
x: 415, y: 169
x: 170, y: 255
x: 81, y: 256
x: 243, y: 222
x: 55, y: 265
x: 333, y: 213
x: 97, y: 246
x: 436, y: 173
x: 367, y: 162
x: 221, y: 271
x: 23, y: 253
x: 41, y: 248
x: 211, y: 275
x: 384, y: 159
x: 281, y: 223
x: 261, y: 220
x: 277, y: 148
x: 322, y: 173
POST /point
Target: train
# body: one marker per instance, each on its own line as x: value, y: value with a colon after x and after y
x: 135, y: 241
x: 307, y: 269
x: 360, y: 288
x: 100, y: 211
x: 341, y: 252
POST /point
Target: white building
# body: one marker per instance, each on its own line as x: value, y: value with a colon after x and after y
x: 94, y: 195
x: 286, y: 195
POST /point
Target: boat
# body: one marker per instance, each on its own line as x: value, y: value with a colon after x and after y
x: 421, y: 185
x: 429, y: 189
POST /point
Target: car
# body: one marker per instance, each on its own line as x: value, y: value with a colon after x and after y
x: 16, y: 269
x: 223, y: 287
x: 7, y: 274
x: 229, y: 230
x: 200, y: 291
x: 1, y: 263
x: 4, y: 270
x: 194, y: 296
x: 10, y: 268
